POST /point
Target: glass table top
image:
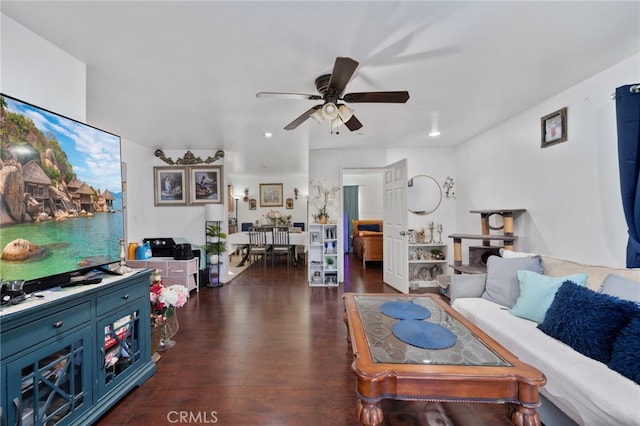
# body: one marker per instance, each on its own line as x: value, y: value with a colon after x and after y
x: 386, y: 348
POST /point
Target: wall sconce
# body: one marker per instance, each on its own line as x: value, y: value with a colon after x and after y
x: 246, y: 195
x: 295, y: 193
x: 448, y: 186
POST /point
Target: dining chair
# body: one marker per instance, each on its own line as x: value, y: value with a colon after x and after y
x: 280, y: 244
x: 258, y: 245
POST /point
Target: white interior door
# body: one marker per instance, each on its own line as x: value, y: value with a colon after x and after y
x: 395, y: 226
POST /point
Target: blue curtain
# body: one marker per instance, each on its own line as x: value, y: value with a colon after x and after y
x: 628, y: 120
x: 350, y: 203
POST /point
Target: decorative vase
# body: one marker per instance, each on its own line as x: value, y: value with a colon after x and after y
x: 169, y: 330
x: 322, y: 219
x: 420, y: 238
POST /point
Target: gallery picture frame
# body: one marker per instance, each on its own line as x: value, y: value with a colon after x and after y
x: 553, y: 128
x: 169, y: 186
x: 289, y: 203
x: 252, y: 204
x: 206, y: 185
x: 271, y: 195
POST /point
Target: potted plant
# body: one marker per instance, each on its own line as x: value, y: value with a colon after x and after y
x: 216, y: 245
x: 437, y: 254
x: 330, y: 261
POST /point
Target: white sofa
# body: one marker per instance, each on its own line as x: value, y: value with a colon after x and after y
x: 579, y: 389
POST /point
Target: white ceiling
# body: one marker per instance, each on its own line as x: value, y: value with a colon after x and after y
x: 183, y: 75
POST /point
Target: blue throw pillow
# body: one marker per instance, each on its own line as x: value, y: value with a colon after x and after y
x: 370, y: 227
x: 625, y: 357
x: 587, y: 321
x: 537, y: 292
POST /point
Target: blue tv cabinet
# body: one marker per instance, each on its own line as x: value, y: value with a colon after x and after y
x: 68, y: 357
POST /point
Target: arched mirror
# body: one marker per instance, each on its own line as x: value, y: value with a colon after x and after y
x: 423, y: 194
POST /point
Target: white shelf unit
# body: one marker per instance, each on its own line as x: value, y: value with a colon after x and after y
x: 323, y: 255
x: 426, y: 262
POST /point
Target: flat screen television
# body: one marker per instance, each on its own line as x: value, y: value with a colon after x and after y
x: 61, y: 207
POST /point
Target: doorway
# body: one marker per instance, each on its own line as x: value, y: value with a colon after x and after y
x: 365, y: 184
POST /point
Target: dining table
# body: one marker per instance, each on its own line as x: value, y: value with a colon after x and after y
x: 240, y: 240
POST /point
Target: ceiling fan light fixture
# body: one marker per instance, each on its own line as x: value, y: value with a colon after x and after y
x: 345, y: 113
x: 317, y: 115
x: 336, y: 122
x: 330, y: 111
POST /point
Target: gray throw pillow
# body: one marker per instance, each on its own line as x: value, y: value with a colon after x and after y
x: 619, y: 286
x: 502, y: 285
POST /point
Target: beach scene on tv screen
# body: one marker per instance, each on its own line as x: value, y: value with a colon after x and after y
x: 60, y: 193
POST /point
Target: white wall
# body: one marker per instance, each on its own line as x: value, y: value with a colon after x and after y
x: 571, y: 190
x: 35, y: 71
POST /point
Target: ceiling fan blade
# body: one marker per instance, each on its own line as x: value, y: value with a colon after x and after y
x: 305, y: 115
x: 343, y: 69
x: 353, y: 123
x: 380, y: 97
x: 283, y: 95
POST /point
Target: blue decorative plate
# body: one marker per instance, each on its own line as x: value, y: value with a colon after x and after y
x: 423, y: 334
x: 404, y: 310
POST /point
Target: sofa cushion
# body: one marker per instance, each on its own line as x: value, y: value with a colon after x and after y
x: 625, y: 357
x: 619, y: 286
x: 502, y: 285
x: 556, y: 267
x: 537, y: 292
x: 587, y: 321
x: 467, y: 285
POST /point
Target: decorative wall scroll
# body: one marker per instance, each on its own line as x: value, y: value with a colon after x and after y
x: 189, y: 158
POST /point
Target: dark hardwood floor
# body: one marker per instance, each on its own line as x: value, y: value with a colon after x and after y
x: 267, y: 349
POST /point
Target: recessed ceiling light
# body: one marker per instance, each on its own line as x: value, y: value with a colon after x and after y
x: 434, y: 133
x: 268, y: 134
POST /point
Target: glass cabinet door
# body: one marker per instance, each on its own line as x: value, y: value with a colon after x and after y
x: 51, y: 385
x: 120, y: 349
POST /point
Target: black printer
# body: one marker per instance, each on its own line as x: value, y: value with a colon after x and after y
x: 161, y: 247
x: 167, y: 247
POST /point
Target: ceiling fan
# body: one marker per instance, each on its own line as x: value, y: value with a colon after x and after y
x: 331, y: 88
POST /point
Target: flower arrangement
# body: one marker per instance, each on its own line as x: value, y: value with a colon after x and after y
x: 164, y: 300
x: 322, y: 200
x: 274, y: 217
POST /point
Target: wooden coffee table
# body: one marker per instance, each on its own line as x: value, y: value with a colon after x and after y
x: 475, y: 369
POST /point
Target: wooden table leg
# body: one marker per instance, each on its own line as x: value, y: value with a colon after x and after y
x: 369, y: 413
x: 523, y: 416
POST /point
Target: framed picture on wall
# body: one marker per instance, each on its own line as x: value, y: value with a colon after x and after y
x: 252, y: 204
x: 271, y: 195
x: 170, y: 185
x: 205, y: 185
x: 289, y: 203
x: 554, y: 128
